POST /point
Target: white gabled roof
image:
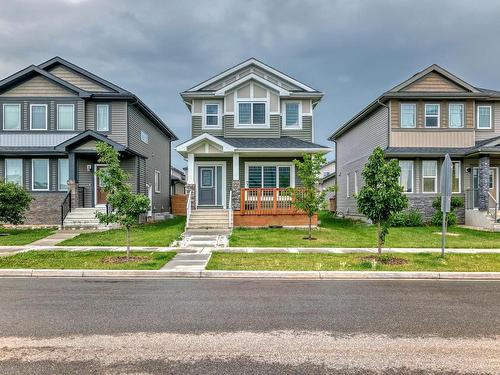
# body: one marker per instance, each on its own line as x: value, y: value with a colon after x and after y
x: 226, y: 147
x: 255, y: 77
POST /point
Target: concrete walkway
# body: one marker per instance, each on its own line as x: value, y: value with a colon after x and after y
x: 57, y: 237
x: 187, y: 262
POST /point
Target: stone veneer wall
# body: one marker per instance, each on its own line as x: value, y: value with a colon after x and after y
x: 424, y: 205
x: 483, y: 182
x: 45, y: 208
x: 236, y: 202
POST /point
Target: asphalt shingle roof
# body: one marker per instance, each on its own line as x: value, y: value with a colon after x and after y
x: 283, y: 142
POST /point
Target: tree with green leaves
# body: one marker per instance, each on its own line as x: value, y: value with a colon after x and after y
x: 126, y: 206
x: 309, y: 198
x: 14, y: 202
x: 381, y: 196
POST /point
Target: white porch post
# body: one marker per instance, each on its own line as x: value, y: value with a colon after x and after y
x: 190, y: 176
x: 235, y: 186
x: 236, y: 166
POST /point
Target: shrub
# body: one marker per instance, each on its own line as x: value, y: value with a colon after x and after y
x: 451, y: 217
x: 410, y: 218
x: 14, y: 202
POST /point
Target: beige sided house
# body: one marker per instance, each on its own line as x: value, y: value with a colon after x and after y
x: 418, y: 122
x: 248, y: 125
x: 51, y: 117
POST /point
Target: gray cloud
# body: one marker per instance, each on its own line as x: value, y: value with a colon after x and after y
x: 351, y: 50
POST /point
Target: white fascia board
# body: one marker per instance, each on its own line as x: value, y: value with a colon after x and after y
x: 255, y: 77
x: 285, y: 150
x: 205, y: 137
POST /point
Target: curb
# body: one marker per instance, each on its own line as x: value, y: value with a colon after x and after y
x: 276, y: 275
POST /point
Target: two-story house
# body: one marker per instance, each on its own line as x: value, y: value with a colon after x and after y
x: 248, y: 125
x: 51, y: 117
x: 418, y: 122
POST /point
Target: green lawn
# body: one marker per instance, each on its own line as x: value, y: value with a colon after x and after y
x: 85, y: 260
x: 353, y: 262
x: 18, y: 237
x: 335, y: 232
x: 158, y: 234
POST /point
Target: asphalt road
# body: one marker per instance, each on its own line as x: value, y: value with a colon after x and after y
x: 57, y: 326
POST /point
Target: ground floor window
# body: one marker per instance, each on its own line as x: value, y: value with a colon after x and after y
x: 63, y: 174
x: 269, y: 176
x: 456, y: 176
x: 406, y: 176
x: 429, y: 176
x: 40, y: 174
x: 157, y: 182
x: 14, y: 171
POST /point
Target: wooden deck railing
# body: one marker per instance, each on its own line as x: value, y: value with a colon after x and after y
x: 268, y: 201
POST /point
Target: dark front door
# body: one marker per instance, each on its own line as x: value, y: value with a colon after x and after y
x: 206, y: 186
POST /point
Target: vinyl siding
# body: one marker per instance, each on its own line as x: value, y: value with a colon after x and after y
x: 495, y: 123
x: 197, y: 129
x: 305, y: 133
x: 433, y: 82
x: 273, y: 131
x: 86, y: 179
x: 77, y: 79
x: 353, y: 149
x: 118, y: 110
x: 38, y: 86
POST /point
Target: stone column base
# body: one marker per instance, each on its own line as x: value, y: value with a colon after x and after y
x: 235, y: 187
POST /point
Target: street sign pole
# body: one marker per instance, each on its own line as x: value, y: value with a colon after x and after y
x: 445, y: 197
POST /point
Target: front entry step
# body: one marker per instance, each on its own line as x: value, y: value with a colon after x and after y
x: 200, y: 241
x: 85, y: 218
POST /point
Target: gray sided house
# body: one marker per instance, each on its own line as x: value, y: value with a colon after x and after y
x: 418, y: 122
x: 52, y: 116
x: 248, y: 125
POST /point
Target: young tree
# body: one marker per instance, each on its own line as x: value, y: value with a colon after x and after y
x: 126, y: 206
x: 310, y: 198
x: 382, y: 195
x: 14, y: 202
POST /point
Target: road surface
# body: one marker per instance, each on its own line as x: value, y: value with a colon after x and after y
x: 140, y: 326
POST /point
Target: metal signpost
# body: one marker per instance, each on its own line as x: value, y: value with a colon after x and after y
x: 445, y: 197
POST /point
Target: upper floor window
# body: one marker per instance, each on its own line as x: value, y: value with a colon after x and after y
x: 102, y: 117
x: 251, y: 113
x: 66, y: 116
x: 14, y: 171
x: 429, y: 176
x: 291, y: 115
x: 432, y: 115
x: 38, y: 116
x: 484, y: 117
x: 406, y: 176
x: 456, y: 115
x: 144, y: 137
x: 408, y: 115
x: 211, y: 116
x: 12, y: 117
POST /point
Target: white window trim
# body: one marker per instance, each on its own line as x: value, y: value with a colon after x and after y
x: 97, y: 117
x: 72, y: 115
x: 157, y: 181
x: 463, y: 115
x: 251, y: 125
x: 271, y: 164
x: 348, y: 193
x: 412, y: 176
x: 33, y: 175
x: 204, y: 114
x: 459, y: 177
x: 197, y: 164
x: 414, y: 105
x: 5, y: 169
x: 3, y: 117
x: 46, y: 116
x: 355, y: 182
x: 435, y: 178
x: 283, y: 115
x: 438, y: 116
x: 143, y: 132
x: 59, y: 174
x: 477, y: 116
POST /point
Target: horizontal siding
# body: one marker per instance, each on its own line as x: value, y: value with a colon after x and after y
x: 196, y: 127
x: 495, y: 131
x: 305, y: 133
x: 118, y: 120
x: 85, y: 179
x: 77, y: 79
x: 434, y: 82
x: 230, y: 131
x: 38, y: 86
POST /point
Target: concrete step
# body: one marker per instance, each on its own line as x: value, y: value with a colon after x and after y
x: 206, y: 231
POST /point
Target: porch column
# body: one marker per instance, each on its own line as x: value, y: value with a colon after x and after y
x: 235, y: 185
x: 72, y: 184
x: 190, y: 186
x: 483, y: 182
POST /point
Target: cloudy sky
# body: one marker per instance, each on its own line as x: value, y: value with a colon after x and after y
x: 351, y: 50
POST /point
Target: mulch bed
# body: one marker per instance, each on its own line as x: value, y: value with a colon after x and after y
x: 124, y: 259
x: 392, y: 261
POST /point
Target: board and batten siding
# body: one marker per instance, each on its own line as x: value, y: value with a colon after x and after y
x: 118, y: 124
x: 77, y: 79
x: 353, y: 149
x: 157, y: 157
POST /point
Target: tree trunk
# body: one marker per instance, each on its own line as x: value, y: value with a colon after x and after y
x: 128, y: 242
x: 310, y: 227
x: 379, y: 238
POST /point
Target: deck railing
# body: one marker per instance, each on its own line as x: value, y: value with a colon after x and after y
x: 269, y: 201
x: 65, y: 208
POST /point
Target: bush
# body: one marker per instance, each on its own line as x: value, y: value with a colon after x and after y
x: 14, y: 202
x: 410, y: 218
x: 451, y: 217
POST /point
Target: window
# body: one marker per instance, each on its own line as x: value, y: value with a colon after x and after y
x: 14, y: 171
x: 291, y: 117
x: 62, y: 174
x: 484, y: 117
x: 66, y: 116
x: 355, y: 182
x: 102, y: 117
x: 38, y: 116
x: 348, y: 188
x: 456, y: 115
x: 269, y: 176
x: 251, y: 113
x: 12, y: 117
x: 491, y: 183
x: 432, y: 115
x: 429, y: 176
x: 40, y: 174
x: 211, y: 117
x: 157, y: 182
x: 144, y: 137
x: 406, y: 176
x: 408, y: 115
x: 455, y: 177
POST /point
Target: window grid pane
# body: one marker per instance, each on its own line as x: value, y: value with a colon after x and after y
x: 406, y: 177
x: 39, y: 117
x: 284, y: 177
x: 254, y: 176
x: 484, y: 117
x: 66, y: 116
x: 456, y: 115
x: 455, y: 177
x: 14, y: 171
x: 292, y: 114
x: 63, y: 173
x: 408, y: 112
x: 40, y: 174
x: 429, y: 175
x: 212, y: 109
x: 259, y: 113
x: 12, y: 116
x: 102, y: 117
x: 244, y: 113
x: 270, y: 177
x: 212, y: 120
